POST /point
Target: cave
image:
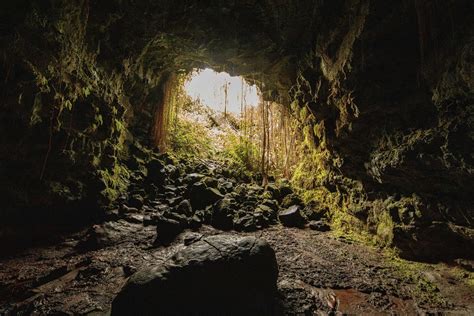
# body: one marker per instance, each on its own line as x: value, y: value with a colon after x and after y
x: 342, y: 181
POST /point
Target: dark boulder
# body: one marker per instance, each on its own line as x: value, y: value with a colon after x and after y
x: 172, y: 171
x: 202, y: 196
x: 168, y: 227
x: 320, y: 225
x: 223, y: 214
x: 245, y: 223
x: 284, y: 191
x: 193, y: 178
x: 210, y: 182
x: 216, y: 275
x: 184, y: 207
x: 136, y: 201
x: 156, y: 172
x: 291, y: 217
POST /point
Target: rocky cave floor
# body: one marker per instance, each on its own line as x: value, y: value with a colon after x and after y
x: 319, y: 272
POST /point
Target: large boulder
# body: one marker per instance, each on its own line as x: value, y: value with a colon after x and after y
x: 216, y: 275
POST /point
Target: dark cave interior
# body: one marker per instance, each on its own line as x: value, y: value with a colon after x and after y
x: 382, y: 101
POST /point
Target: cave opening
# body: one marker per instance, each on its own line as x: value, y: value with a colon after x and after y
x: 223, y: 118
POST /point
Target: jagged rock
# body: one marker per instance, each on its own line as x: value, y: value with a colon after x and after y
x: 195, y: 222
x: 193, y: 178
x: 269, y: 214
x: 202, y: 196
x: 172, y: 171
x: 271, y: 204
x: 254, y: 189
x: 190, y: 238
x: 216, y: 275
x: 291, y: 199
x: 245, y: 223
x: 284, y: 191
x: 314, y: 212
x: 223, y: 214
x: 210, y: 182
x: 291, y: 217
x: 155, y: 171
x: 124, y: 209
x: 184, y: 207
x: 174, y: 200
x: 226, y: 186
x: 320, y: 225
x: 136, y: 201
x: 171, y: 188
x: 168, y: 228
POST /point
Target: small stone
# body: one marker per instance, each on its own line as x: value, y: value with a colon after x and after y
x: 319, y: 225
x: 190, y: 238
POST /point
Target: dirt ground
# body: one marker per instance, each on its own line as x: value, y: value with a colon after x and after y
x: 319, y: 274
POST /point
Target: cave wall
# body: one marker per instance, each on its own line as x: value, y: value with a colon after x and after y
x: 384, y: 93
x: 392, y: 119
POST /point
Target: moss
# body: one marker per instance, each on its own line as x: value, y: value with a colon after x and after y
x: 385, y: 229
x: 424, y: 291
x: 115, y: 181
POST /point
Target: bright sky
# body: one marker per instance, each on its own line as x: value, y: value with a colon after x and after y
x: 208, y: 86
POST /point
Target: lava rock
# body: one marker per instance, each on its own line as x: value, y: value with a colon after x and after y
x: 320, y: 225
x: 108, y: 234
x: 191, y: 238
x: 202, y: 196
x: 284, y: 191
x: 223, y: 214
x: 245, y: 223
x: 193, y: 178
x: 226, y: 186
x: 291, y: 199
x: 210, y: 182
x: 156, y: 171
x: 136, y: 201
x: 291, y: 217
x: 167, y: 229
x: 221, y: 274
x: 172, y: 171
x: 184, y: 207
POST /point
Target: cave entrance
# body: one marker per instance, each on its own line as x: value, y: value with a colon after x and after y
x: 222, y: 92
x: 214, y: 115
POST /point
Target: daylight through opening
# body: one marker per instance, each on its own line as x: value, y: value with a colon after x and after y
x: 211, y: 114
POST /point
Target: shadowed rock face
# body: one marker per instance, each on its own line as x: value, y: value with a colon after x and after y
x: 215, y: 275
x: 384, y: 93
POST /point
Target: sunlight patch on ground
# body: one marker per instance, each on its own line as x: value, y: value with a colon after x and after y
x: 209, y: 87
